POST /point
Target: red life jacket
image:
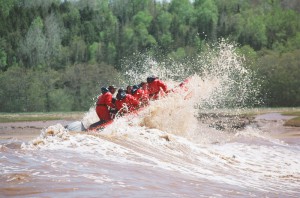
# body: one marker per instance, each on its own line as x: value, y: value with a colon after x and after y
x: 104, y: 101
x: 128, y: 101
x: 142, y: 96
x: 155, y: 87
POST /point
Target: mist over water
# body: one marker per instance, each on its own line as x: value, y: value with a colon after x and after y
x: 165, y: 149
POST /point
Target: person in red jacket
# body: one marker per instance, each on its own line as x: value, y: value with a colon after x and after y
x: 156, y: 87
x: 126, y: 103
x: 103, y: 104
x: 112, y: 89
x: 141, y: 94
x: 144, y: 87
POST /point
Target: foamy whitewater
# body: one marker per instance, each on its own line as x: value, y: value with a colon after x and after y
x: 164, y: 150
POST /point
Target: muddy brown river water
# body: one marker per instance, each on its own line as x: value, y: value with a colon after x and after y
x: 128, y: 160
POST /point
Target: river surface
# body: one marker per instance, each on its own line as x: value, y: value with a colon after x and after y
x: 130, y: 160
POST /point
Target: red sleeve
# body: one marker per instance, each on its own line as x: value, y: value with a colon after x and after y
x: 99, y: 99
x: 163, y: 85
x: 108, y: 100
x: 146, y: 94
x: 132, y: 100
x: 139, y: 94
x: 119, y: 104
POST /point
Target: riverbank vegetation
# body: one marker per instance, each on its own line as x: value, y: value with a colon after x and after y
x: 294, y: 122
x: 55, y: 54
x: 38, y: 116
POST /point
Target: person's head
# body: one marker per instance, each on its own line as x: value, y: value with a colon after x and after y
x: 128, y: 89
x: 112, y: 89
x: 120, y: 90
x: 134, y: 89
x: 104, y: 90
x: 151, y: 78
x: 121, y: 95
x: 143, y: 85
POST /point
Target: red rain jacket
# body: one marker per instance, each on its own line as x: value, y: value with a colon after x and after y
x: 104, y: 101
x: 129, y: 101
x: 142, y: 96
x: 155, y: 87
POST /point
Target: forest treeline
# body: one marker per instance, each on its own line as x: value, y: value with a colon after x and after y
x: 54, y: 54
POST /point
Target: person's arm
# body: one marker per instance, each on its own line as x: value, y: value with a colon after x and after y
x: 108, y: 101
x: 134, y: 102
x: 118, y: 105
x: 98, y: 100
x: 163, y: 86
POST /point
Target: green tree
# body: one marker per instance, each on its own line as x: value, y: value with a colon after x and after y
x: 111, y: 53
x: 130, y: 41
x: 164, y: 37
x: 230, y: 22
x: 3, y: 55
x: 280, y: 25
x: 83, y: 83
x: 250, y: 56
x: 293, y: 43
x: 13, y: 84
x: 59, y: 100
x: 71, y: 21
x: 33, y: 47
x: 182, y: 12
x: 206, y: 12
x: 253, y: 31
x: 5, y: 7
x: 53, y: 33
x: 281, y: 75
x: 78, y: 50
x: 142, y: 21
x: 3, y: 59
x: 94, y: 52
x: 178, y: 55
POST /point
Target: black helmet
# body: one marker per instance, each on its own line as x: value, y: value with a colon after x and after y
x: 133, y: 90
x: 104, y: 89
x: 150, y: 79
x: 135, y: 87
x: 121, y: 95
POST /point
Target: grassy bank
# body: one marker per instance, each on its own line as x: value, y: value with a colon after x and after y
x: 295, y: 122
x: 294, y: 111
x: 37, y: 116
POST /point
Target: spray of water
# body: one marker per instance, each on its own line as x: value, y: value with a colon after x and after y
x: 231, y: 84
x: 216, y: 80
x: 219, y: 76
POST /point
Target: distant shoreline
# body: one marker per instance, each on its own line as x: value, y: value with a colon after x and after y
x: 40, y: 116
